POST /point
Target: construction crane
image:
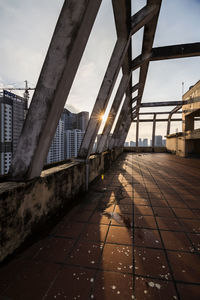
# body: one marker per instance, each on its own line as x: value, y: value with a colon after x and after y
x: 26, y: 90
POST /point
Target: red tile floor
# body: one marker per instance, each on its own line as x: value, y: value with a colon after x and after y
x: 135, y: 235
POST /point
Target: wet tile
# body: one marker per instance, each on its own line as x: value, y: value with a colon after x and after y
x: 72, y: 283
x: 143, y: 210
x: 163, y: 212
x: 183, y: 213
x: 145, y: 222
x: 175, y: 241
x: 120, y: 235
x: 154, y: 289
x: 55, y: 249
x: 99, y: 218
x: 69, y: 230
x: 94, y: 232
x: 85, y: 254
x: 110, y: 285
x: 191, y: 225
x: 184, y: 266
x: 141, y: 201
x: 123, y: 208
x: 117, y: 258
x: 31, y: 280
x: 169, y: 224
x: 195, y: 239
x: 147, y: 238
x: 189, y: 291
x: 152, y: 263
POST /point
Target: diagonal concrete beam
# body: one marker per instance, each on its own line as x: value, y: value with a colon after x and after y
x: 125, y: 111
x: 61, y: 63
x: 103, y: 97
x: 142, y: 17
x: 113, y: 112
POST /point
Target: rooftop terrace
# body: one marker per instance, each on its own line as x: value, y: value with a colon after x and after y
x: 135, y: 235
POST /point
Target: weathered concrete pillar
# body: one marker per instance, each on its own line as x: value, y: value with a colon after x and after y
x: 125, y: 131
x: 153, y: 132
x: 125, y: 110
x: 63, y: 57
x: 103, y: 97
x: 137, y: 131
x: 113, y: 112
x: 169, y: 124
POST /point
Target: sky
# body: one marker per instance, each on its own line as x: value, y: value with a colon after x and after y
x: 26, y: 28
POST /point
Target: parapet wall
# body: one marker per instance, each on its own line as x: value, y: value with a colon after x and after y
x: 145, y: 149
x: 24, y: 206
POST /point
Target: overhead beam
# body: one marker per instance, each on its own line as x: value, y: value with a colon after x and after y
x: 135, y: 87
x: 159, y: 120
x: 57, y: 75
x: 170, y: 103
x: 159, y: 113
x: 175, y: 51
x: 167, y: 52
x: 142, y: 17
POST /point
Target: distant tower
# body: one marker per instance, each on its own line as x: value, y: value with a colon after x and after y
x: 13, y: 110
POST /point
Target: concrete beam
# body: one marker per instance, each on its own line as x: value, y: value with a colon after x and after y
x: 159, y: 113
x: 163, y: 103
x: 175, y: 51
x: 142, y: 17
x: 125, y: 111
x: 59, y: 69
x: 124, y: 133
x: 113, y: 112
x: 153, y: 132
x: 103, y: 97
x: 158, y: 120
x: 148, y: 38
x: 167, y: 52
x: 135, y: 87
x: 137, y: 130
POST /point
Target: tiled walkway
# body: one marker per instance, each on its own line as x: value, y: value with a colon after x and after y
x: 136, y: 236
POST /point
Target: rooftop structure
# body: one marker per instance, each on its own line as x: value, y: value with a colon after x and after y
x: 117, y: 225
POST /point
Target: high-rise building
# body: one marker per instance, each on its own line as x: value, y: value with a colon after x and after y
x: 56, y: 151
x: 68, y: 136
x: 132, y: 144
x: 13, y: 111
x: 75, y: 121
x: 73, y: 140
x: 158, y: 140
x: 145, y: 142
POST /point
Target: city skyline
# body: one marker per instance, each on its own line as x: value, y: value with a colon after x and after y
x: 164, y: 81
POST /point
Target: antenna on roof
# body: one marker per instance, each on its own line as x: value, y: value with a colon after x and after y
x: 182, y: 88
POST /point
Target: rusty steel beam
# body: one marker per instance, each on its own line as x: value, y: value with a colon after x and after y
x: 59, y: 69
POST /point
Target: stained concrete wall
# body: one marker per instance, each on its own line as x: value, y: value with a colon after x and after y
x: 26, y: 206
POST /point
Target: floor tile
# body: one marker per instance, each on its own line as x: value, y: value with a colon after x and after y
x: 184, y: 266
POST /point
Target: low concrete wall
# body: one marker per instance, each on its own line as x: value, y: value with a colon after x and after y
x: 25, y: 206
x: 145, y: 149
